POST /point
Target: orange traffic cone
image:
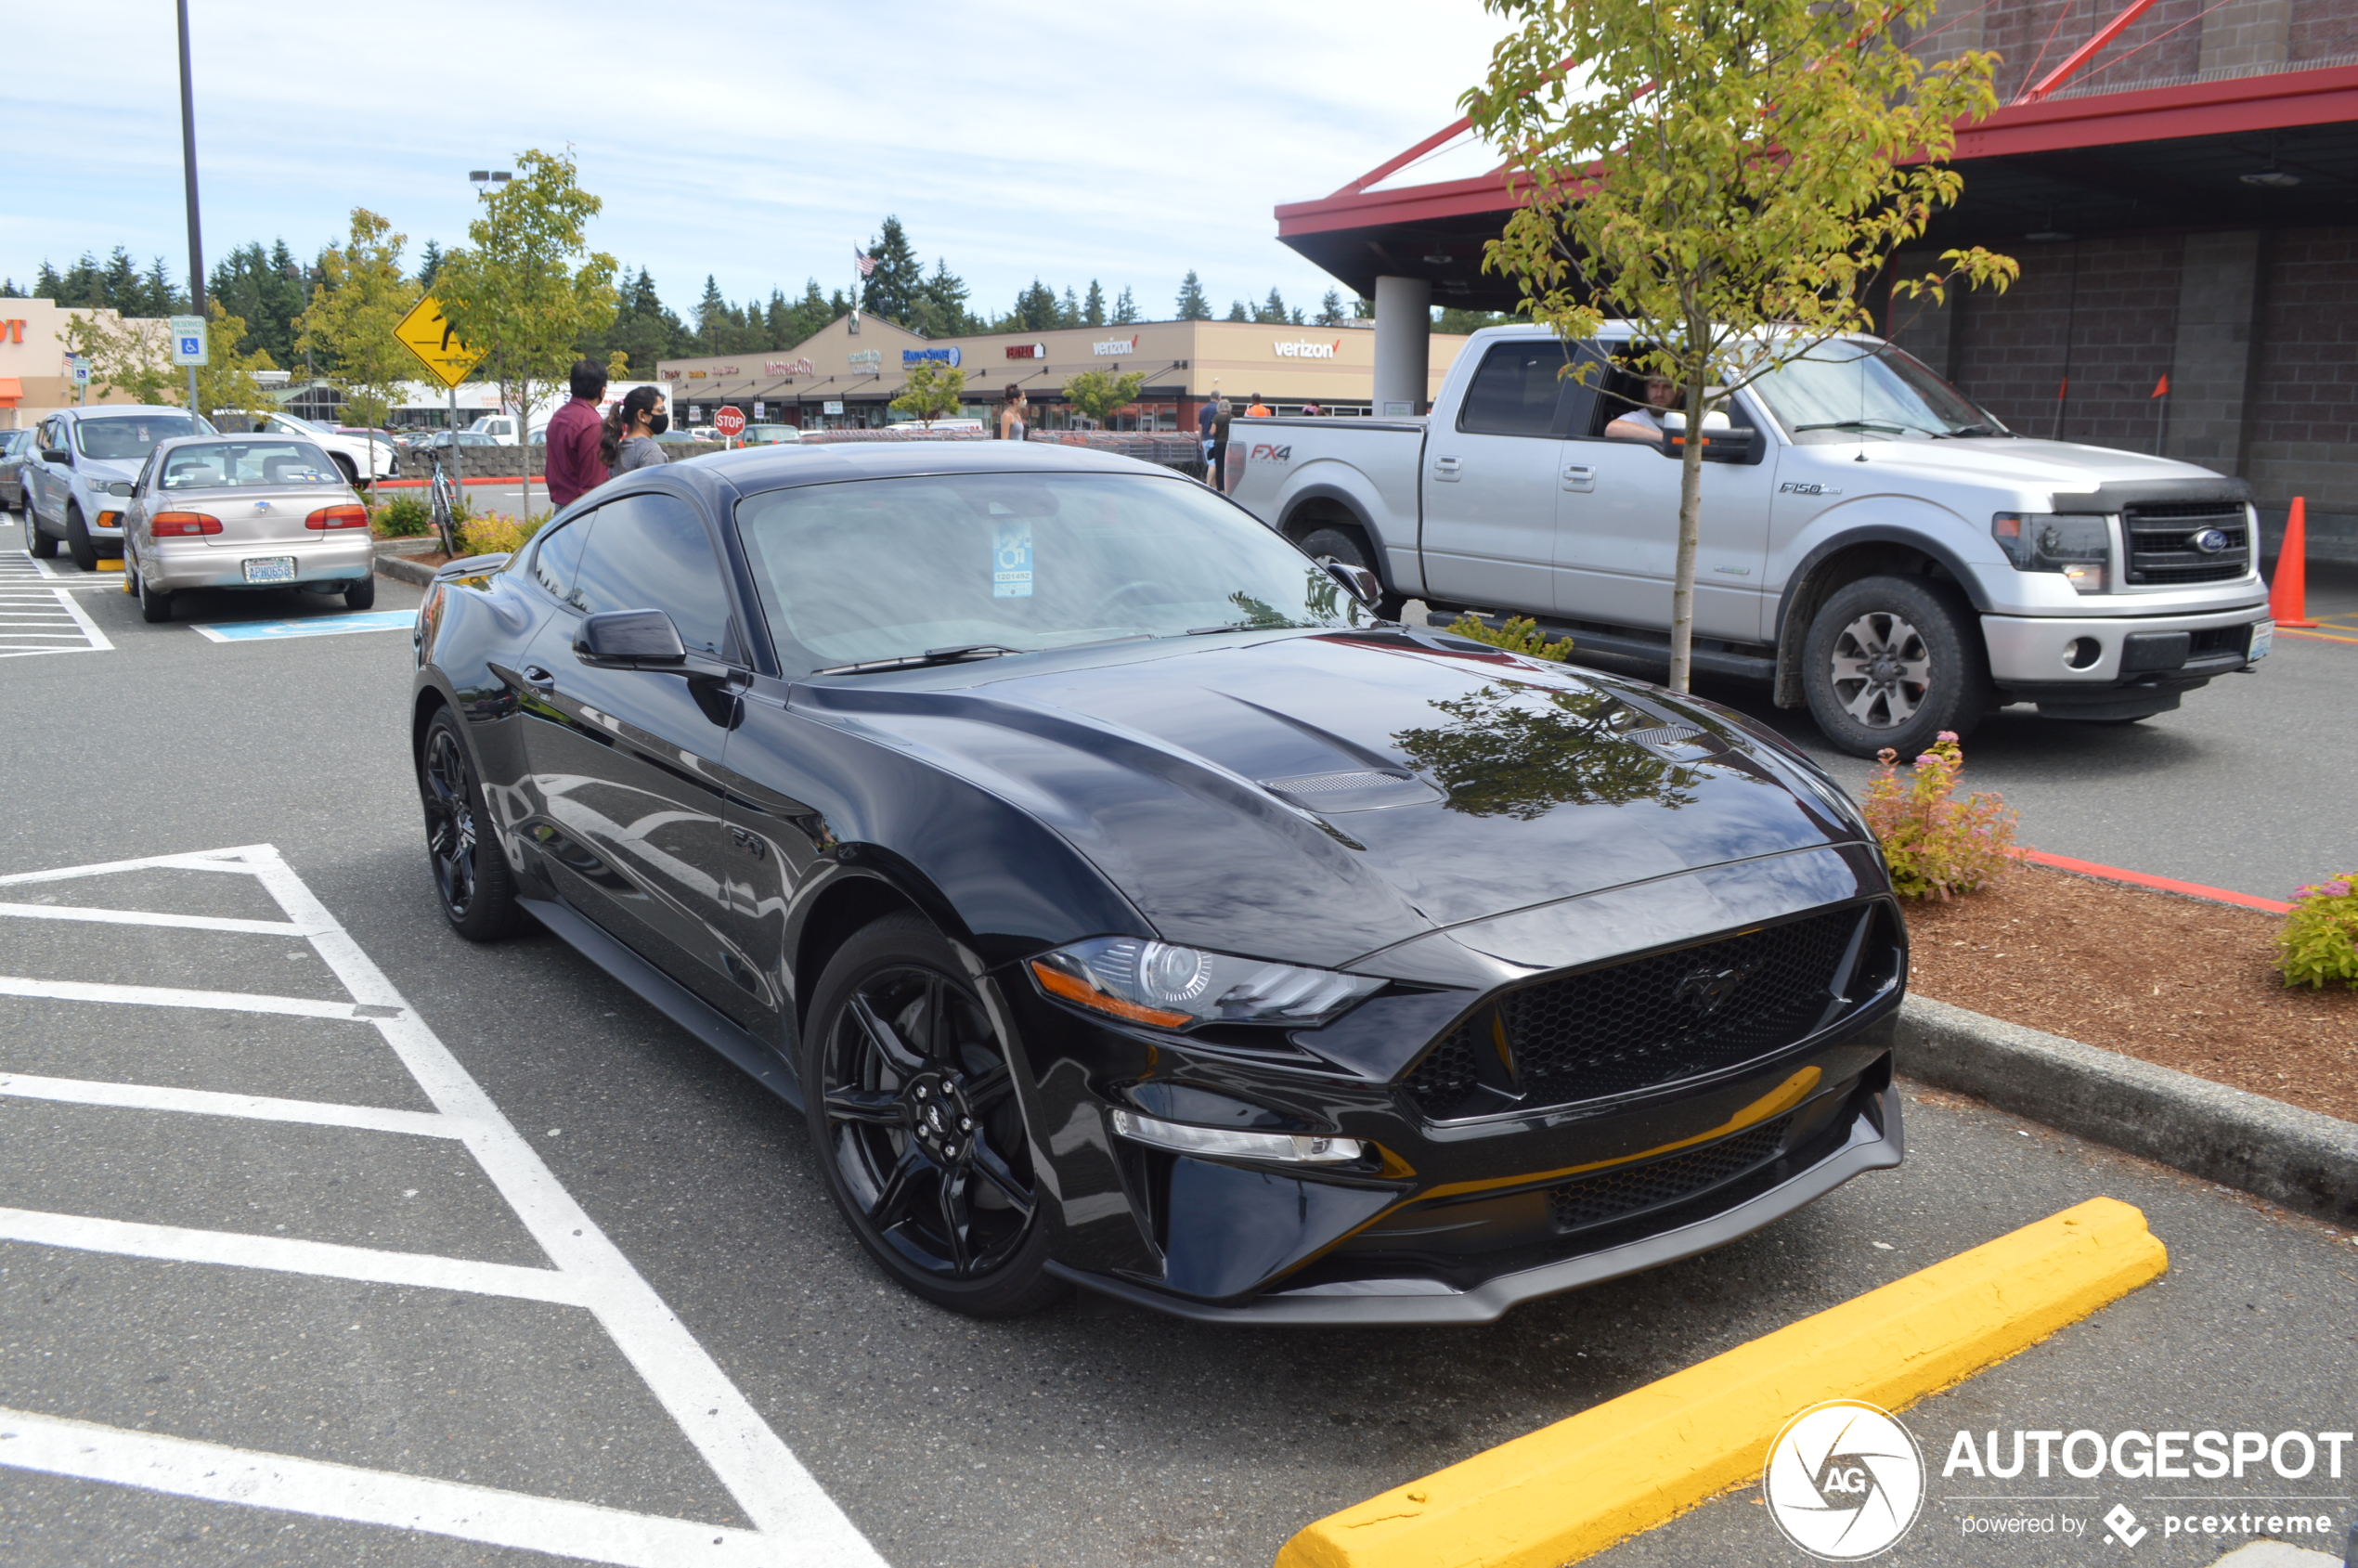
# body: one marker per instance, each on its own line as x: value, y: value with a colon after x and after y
x: 2289, y: 595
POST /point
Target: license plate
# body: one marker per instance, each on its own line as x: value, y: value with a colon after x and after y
x: 2264, y: 633
x: 271, y: 569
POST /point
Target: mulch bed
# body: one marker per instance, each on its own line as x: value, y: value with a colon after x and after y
x: 2180, y: 982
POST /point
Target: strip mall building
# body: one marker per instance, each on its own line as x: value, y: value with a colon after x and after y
x: 842, y: 377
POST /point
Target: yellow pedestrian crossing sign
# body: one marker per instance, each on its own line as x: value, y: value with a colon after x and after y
x: 425, y: 334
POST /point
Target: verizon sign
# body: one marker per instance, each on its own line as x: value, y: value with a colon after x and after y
x: 1113, y: 348
x: 1300, y: 349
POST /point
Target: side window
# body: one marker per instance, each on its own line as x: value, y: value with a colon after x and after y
x: 557, y: 555
x: 139, y: 485
x: 649, y: 551
x: 1520, y: 390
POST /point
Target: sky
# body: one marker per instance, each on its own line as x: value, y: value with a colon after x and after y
x: 757, y: 143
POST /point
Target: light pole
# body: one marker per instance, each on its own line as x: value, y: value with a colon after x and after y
x: 188, y: 163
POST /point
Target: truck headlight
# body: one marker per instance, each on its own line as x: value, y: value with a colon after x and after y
x: 1171, y: 986
x: 2076, y: 544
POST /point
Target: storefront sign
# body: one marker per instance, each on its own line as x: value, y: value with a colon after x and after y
x: 921, y: 355
x: 695, y: 375
x: 1027, y: 351
x: 1115, y: 346
x: 1300, y: 349
x: 760, y: 410
x: 789, y: 368
x: 866, y: 359
x: 831, y: 407
x: 671, y: 375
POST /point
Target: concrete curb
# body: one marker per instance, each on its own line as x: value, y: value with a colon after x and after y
x: 2300, y: 1159
x: 403, y: 570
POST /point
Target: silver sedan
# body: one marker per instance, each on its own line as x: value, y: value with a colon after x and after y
x: 244, y: 512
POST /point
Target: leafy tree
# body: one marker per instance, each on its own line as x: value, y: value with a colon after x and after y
x: 1449, y: 318
x: 1192, y: 305
x: 130, y: 357
x: 362, y: 296
x: 1092, y: 309
x: 1100, y: 394
x: 1125, y: 309
x: 934, y: 390
x: 896, y: 287
x: 1519, y: 751
x: 429, y: 263
x: 1236, y: 311
x: 1330, y: 312
x: 528, y: 288
x: 227, y: 380
x: 1751, y: 188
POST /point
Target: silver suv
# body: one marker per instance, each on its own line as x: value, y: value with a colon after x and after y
x: 77, y: 453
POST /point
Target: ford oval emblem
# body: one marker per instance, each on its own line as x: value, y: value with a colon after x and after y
x: 2210, y: 541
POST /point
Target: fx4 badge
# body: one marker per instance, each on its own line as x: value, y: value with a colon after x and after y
x: 1264, y: 452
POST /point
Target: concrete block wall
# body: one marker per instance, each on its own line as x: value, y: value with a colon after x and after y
x: 2303, y: 435
x: 2103, y: 313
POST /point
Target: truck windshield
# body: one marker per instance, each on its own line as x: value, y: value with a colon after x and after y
x: 934, y: 567
x: 1846, y: 390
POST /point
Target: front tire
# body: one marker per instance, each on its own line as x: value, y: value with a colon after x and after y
x: 1893, y: 662
x: 79, y: 544
x: 472, y: 880
x: 911, y: 1100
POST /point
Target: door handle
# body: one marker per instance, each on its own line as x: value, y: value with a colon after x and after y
x: 1580, y: 476
x: 1444, y: 467
x: 538, y: 679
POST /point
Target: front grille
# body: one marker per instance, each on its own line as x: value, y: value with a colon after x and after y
x: 1647, y: 1022
x: 2161, y: 551
x: 1609, y: 1195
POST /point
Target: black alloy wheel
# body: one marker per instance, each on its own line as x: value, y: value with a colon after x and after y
x: 912, y: 1107
x: 470, y: 873
x: 1892, y: 662
x: 79, y: 544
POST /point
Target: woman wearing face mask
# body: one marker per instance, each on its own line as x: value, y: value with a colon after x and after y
x: 628, y: 440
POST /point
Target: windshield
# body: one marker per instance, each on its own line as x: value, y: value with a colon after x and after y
x: 129, y: 436
x: 219, y: 465
x: 895, y: 568
x: 1845, y: 390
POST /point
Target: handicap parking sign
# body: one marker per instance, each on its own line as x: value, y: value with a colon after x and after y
x: 188, y: 339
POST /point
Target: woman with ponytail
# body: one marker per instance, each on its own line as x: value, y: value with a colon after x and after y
x: 628, y: 440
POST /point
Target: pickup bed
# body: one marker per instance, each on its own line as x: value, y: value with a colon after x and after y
x: 1873, y: 543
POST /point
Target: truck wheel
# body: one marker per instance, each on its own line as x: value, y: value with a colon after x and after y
x: 79, y: 544
x: 1891, y: 662
x: 1348, y: 546
x: 35, y: 541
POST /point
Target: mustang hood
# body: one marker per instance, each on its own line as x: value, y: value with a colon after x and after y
x: 1320, y: 797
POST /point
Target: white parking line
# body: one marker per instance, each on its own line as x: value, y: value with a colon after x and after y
x: 796, y: 1522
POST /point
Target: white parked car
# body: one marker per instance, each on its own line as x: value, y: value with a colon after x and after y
x: 358, y: 455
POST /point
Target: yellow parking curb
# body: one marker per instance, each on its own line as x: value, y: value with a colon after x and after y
x: 1575, y: 1488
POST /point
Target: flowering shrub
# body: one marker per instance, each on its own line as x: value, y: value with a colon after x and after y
x: 2320, y: 939
x: 1516, y: 637
x: 496, y: 533
x: 403, y: 517
x: 1935, y: 843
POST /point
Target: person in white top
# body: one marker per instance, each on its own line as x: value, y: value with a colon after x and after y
x: 1645, y: 423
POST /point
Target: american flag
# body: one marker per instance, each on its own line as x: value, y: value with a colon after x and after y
x: 864, y: 262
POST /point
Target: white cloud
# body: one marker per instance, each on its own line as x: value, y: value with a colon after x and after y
x: 1122, y: 141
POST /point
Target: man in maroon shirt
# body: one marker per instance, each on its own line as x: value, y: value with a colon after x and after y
x: 575, y: 467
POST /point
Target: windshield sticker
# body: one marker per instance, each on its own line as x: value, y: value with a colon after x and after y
x: 1011, y: 561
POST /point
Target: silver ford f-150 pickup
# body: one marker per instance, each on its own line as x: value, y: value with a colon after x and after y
x: 1871, y: 541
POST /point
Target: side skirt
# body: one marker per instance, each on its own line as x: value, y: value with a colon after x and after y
x: 670, y: 998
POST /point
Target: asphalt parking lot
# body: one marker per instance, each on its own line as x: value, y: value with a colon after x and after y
x: 399, y: 1312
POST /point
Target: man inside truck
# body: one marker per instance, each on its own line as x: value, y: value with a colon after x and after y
x: 1644, y: 422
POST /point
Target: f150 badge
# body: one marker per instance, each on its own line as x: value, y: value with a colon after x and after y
x: 1795, y: 488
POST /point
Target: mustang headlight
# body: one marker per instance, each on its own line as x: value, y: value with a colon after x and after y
x: 1150, y: 982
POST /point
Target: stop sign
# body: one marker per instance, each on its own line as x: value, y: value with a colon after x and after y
x: 730, y: 422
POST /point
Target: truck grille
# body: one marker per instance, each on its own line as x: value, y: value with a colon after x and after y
x: 1610, y: 1194
x: 1648, y: 1021
x: 2161, y: 549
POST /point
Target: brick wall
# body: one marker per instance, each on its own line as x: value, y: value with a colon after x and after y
x: 2042, y: 35
x: 2114, y: 330
x: 2303, y: 438
x: 2321, y: 30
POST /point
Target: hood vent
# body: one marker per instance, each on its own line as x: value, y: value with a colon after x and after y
x: 1362, y: 790
x: 1663, y: 736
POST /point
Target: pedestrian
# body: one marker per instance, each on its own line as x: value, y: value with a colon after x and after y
x: 1310, y: 410
x: 1258, y: 410
x: 575, y: 465
x: 629, y: 439
x: 1014, y: 416
x: 1206, y: 418
x: 1222, y: 413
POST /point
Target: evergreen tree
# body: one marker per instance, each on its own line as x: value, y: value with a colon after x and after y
x: 266, y: 290
x: 1330, y: 309
x: 1272, y: 310
x: 8, y: 290
x: 1125, y: 309
x: 644, y: 330
x: 896, y: 287
x: 1192, y: 305
x: 941, y: 304
x: 1035, y: 310
x: 121, y: 287
x: 811, y: 314
x: 1092, y: 309
x: 1236, y: 311
x: 46, y: 285
x: 1068, y: 310
x: 163, y: 297
x: 712, y: 318
x: 428, y: 263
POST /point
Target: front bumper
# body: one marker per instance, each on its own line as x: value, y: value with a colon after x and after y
x: 2087, y: 652
x: 171, y: 568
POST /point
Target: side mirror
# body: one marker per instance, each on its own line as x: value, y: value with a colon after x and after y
x: 55, y: 454
x: 1357, y: 581
x: 630, y: 640
x: 120, y: 488
x: 1722, y: 441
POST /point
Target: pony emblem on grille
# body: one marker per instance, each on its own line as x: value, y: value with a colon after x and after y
x: 1702, y: 990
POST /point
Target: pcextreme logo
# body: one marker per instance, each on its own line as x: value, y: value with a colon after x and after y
x: 1844, y: 1481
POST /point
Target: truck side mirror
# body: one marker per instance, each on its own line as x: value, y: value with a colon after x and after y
x: 1722, y: 440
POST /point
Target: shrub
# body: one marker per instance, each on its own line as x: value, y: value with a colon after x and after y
x: 495, y: 533
x: 2320, y: 939
x: 1934, y: 843
x: 403, y: 517
x: 1516, y: 637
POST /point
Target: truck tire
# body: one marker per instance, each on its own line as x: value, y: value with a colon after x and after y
x: 1350, y: 547
x: 1892, y: 662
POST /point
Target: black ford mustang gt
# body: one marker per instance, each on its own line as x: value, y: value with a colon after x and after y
x: 1124, y: 904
